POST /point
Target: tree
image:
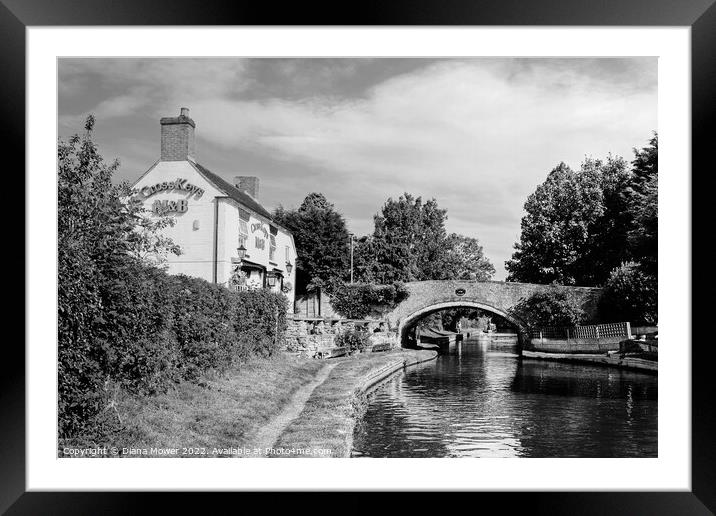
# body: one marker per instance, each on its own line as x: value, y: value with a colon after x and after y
x: 466, y: 259
x: 322, y: 243
x: 580, y: 226
x: 549, y: 308
x: 90, y: 217
x: 643, y: 206
x: 316, y: 201
x: 643, y: 237
x: 148, y: 243
x: 646, y: 162
x: 630, y: 294
x: 555, y: 230
x: 576, y: 226
x: 98, y: 238
x: 407, y: 239
x: 607, y: 244
x: 410, y: 243
x: 476, y: 318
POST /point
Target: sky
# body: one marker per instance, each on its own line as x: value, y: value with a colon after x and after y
x: 478, y: 135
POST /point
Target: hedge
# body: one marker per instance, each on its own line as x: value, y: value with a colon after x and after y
x: 137, y: 327
x: 358, y: 300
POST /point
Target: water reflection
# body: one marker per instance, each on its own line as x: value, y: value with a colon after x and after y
x: 481, y: 400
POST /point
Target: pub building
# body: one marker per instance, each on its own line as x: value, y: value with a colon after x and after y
x: 225, y: 234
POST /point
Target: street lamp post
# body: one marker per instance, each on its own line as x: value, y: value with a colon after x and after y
x: 241, y: 252
x: 238, y: 274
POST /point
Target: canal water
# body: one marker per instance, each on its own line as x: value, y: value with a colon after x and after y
x: 481, y: 400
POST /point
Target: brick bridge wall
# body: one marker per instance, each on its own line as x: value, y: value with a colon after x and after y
x: 495, y: 296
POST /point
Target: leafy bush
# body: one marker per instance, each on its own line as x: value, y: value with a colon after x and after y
x: 549, y: 308
x: 358, y: 300
x: 353, y: 339
x: 630, y: 295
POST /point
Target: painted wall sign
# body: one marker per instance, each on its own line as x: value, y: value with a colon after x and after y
x: 460, y: 291
x: 259, y: 226
x: 260, y: 243
x: 179, y: 184
x: 166, y: 206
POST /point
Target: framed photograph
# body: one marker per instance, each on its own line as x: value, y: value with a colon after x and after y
x: 420, y: 248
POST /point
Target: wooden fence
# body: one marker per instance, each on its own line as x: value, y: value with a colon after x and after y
x: 594, y: 331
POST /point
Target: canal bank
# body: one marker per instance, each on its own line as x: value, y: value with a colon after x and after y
x: 325, y: 426
x: 638, y: 364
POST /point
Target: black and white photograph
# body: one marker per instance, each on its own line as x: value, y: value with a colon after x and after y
x: 356, y: 257
x: 423, y: 241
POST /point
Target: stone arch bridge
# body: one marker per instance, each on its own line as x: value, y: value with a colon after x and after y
x: 497, y: 297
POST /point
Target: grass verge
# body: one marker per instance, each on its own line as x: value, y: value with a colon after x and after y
x: 210, y: 418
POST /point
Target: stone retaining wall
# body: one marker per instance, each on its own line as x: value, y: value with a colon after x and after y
x: 309, y: 336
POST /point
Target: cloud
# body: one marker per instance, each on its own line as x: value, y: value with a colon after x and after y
x: 152, y: 85
x: 453, y: 122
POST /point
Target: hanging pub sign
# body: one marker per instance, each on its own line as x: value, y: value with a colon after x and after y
x: 179, y: 184
x: 167, y: 206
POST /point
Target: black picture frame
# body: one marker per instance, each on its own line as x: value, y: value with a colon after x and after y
x: 700, y: 15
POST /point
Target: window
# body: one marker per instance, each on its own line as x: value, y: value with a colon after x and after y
x: 243, y: 232
x: 288, y: 254
x: 272, y: 247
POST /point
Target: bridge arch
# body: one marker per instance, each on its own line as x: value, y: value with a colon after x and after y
x: 498, y: 297
x: 409, y: 321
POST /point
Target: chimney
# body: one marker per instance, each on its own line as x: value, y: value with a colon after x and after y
x: 248, y: 184
x: 177, y: 137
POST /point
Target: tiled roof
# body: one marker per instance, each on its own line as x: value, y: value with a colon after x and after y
x: 238, y: 195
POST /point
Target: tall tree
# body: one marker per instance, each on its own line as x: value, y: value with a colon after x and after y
x: 408, y: 235
x: 607, y: 245
x: 576, y: 228
x: 646, y: 161
x: 555, y: 230
x: 466, y: 259
x: 643, y: 206
x: 410, y: 243
x: 322, y: 242
x: 100, y: 238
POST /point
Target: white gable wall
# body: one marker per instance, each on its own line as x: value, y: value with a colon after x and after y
x: 194, y: 229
